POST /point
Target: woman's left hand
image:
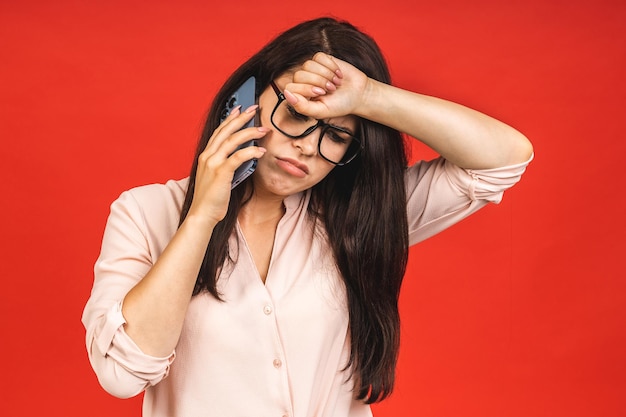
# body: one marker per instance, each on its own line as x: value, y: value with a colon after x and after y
x: 325, y: 87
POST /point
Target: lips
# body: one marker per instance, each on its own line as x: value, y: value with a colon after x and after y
x: 293, y: 167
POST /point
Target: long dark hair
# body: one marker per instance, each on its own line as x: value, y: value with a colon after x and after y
x: 362, y: 205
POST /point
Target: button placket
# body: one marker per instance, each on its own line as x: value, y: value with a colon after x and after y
x: 278, y: 357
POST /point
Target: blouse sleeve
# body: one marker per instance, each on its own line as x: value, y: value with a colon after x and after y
x: 440, y: 194
x: 127, y: 254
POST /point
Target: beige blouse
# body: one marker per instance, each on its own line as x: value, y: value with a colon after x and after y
x: 270, y: 350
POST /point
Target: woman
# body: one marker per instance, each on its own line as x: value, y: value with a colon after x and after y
x: 279, y: 298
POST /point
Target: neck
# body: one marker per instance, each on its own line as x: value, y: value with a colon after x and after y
x: 261, y: 210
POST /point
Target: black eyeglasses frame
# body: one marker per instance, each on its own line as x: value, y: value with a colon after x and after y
x: 320, y: 123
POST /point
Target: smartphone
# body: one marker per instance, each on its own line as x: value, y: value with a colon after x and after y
x: 245, y: 96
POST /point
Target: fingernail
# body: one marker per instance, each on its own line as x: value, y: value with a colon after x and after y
x: 262, y: 129
x: 252, y: 108
x: 330, y: 86
x: 291, y: 99
x: 336, y: 80
x: 339, y: 73
x: 236, y: 109
x: 318, y: 91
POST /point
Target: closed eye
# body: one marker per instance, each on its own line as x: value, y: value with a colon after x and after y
x: 297, y: 115
x: 338, y: 136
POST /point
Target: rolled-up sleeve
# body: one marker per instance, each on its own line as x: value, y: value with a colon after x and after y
x: 126, y: 256
x: 440, y: 194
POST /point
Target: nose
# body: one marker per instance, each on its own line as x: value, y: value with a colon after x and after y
x: 307, y: 144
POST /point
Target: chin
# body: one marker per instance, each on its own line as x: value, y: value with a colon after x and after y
x: 278, y: 185
x: 272, y: 180
x: 272, y: 184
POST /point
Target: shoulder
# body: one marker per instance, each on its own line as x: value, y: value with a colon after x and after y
x: 168, y: 196
x: 152, y: 207
x: 171, y: 193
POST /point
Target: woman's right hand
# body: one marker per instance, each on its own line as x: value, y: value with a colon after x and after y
x: 155, y: 308
x: 218, y: 162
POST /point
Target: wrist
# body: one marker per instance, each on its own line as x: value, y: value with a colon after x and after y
x: 370, y: 102
x: 199, y: 223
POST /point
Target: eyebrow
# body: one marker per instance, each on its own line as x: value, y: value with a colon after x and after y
x: 344, y: 128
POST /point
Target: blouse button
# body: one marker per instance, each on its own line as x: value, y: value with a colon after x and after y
x: 277, y: 363
x: 267, y: 310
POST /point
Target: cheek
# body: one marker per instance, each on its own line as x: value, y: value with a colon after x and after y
x: 266, y: 106
x: 269, y: 140
x: 322, y: 169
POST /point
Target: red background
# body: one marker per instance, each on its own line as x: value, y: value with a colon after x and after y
x: 517, y: 311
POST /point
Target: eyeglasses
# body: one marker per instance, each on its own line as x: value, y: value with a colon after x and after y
x: 336, y: 144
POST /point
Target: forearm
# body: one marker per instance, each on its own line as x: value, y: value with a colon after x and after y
x: 155, y: 308
x: 464, y: 136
